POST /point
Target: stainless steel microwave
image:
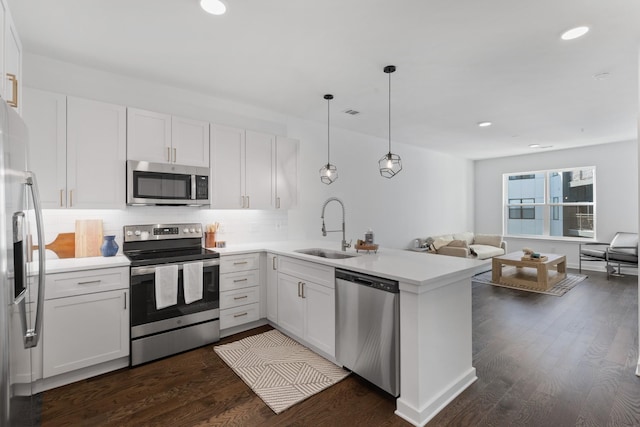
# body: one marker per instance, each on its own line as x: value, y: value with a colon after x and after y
x: 166, y: 184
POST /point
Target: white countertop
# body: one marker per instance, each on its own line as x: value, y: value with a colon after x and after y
x: 78, y: 264
x: 415, y: 268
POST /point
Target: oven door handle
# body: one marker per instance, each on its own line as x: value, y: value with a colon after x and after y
x: 150, y: 269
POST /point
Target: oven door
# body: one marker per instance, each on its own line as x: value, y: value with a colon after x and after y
x: 146, y: 319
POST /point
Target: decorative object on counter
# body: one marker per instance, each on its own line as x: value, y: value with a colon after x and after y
x: 221, y: 244
x: 109, y: 246
x: 329, y: 172
x: 390, y: 164
x: 210, y: 235
x: 278, y: 369
x: 64, y: 245
x: 368, y: 237
x: 88, y: 237
x: 362, y: 245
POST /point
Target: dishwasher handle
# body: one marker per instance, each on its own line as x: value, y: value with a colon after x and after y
x: 374, y: 282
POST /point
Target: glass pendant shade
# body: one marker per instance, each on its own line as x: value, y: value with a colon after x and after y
x: 390, y: 164
x: 328, y: 172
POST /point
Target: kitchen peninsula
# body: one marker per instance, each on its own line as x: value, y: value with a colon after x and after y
x: 435, y: 317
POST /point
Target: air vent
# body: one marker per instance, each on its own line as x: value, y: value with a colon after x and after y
x: 352, y: 112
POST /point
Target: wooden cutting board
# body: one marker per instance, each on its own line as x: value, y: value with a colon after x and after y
x: 64, y: 245
x: 88, y: 237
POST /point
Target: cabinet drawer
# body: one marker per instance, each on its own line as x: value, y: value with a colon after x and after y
x: 233, y: 263
x: 311, y: 271
x: 231, y: 281
x: 239, y: 297
x: 239, y: 315
x: 60, y: 285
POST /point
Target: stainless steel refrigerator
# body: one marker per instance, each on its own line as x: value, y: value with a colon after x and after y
x: 22, y: 276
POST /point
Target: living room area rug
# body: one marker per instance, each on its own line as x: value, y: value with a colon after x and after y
x: 559, y: 289
x: 278, y: 369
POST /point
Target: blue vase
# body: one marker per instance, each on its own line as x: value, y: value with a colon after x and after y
x: 109, y: 246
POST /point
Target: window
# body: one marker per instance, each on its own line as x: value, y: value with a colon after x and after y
x: 558, y: 203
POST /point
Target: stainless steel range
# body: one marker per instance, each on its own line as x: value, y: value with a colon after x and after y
x: 175, y: 290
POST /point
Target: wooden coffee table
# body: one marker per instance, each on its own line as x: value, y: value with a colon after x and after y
x: 547, y: 273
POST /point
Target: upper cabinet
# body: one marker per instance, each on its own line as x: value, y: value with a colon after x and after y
x: 10, y: 59
x: 241, y: 170
x: 286, y: 173
x: 162, y: 138
x: 78, y: 150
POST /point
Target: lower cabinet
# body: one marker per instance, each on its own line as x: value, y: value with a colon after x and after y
x: 272, y: 287
x: 86, y: 319
x: 306, y: 302
x: 239, y: 289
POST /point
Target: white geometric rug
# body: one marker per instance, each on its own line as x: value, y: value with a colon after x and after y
x: 278, y: 369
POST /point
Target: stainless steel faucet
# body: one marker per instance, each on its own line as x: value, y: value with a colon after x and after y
x: 345, y: 245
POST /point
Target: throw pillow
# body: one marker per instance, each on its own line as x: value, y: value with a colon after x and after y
x: 458, y: 244
x: 438, y: 243
x: 488, y: 239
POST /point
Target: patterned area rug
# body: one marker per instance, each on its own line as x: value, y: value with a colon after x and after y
x: 561, y: 288
x: 278, y: 369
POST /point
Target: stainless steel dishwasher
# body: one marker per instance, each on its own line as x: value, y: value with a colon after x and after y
x: 368, y: 328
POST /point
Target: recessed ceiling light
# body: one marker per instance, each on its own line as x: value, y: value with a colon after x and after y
x: 602, y: 76
x: 534, y: 146
x: 574, y: 33
x: 214, y: 7
x: 484, y: 124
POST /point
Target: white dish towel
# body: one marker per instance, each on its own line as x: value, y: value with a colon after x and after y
x: 192, y: 281
x: 166, y: 286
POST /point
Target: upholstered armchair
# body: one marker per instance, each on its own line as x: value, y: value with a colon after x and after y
x: 622, y: 251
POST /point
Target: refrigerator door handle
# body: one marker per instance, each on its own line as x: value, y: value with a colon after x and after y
x: 33, y: 335
x: 20, y: 269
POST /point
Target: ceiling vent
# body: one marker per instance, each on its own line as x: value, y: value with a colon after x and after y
x: 352, y: 112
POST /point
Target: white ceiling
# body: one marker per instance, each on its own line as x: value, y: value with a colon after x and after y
x: 458, y: 62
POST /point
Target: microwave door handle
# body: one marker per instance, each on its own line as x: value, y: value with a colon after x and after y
x: 33, y: 335
x: 193, y: 187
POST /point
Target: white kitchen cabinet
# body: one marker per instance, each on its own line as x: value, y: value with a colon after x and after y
x: 241, y: 172
x: 87, y: 319
x: 45, y: 113
x: 10, y: 59
x: 239, y: 289
x: 306, y: 302
x: 77, y: 149
x: 96, y: 154
x: 272, y: 287
x: 286, y: 173
x: 162, y: 138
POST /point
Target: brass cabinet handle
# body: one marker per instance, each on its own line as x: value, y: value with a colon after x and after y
x: 175, y: 155
x: 273, y: 263
x: 242, y: 202
x: 277, y: 202
x: 88, y: 282
x: 240, y: 280
x: 70, y: 198
x: 302, y: 291
x: 168, y: 154
x: 248, y: 202
x: 242, y: 297
x: 240, y: 262
x: 241, y: 314
x: 125, y: 300
x: 61, y: 193
x: 14, y: 96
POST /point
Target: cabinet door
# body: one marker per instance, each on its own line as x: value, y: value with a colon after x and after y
x: 190, y: 142
x: 227, y: 167
x: 258, y: 176
x: 45, y: 114
x: 272, y: 287
x: 286, y: 173
x: 290, y: 307
x: 149, y: 136
x: 96, y: 154
x: 13, y: 64
x: 85, y: 330
x: 319, y: 322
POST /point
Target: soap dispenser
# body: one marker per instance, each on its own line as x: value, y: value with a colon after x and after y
x: 368, y: 237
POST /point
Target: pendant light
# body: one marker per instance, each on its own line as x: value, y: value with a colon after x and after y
x: 328, y: 172
x: 390, y: 164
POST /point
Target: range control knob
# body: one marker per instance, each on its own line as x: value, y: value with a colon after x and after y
x: 193, y: 230
x: 186, y: 231
x: 137, y: 232
x: 129, y: 233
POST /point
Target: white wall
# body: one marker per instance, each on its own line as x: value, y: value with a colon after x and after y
x: 616, y: 191
x: 432, y: 195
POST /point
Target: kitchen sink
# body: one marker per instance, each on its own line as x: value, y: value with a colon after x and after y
x: 325, y: 253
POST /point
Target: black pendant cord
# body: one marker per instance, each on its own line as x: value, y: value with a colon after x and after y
x: 328, y: 132
x: 389, y: 115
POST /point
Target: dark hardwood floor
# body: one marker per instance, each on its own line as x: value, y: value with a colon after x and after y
x: 541, y: 361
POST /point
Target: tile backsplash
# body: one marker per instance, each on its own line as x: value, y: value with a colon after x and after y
x: 236, y: 226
